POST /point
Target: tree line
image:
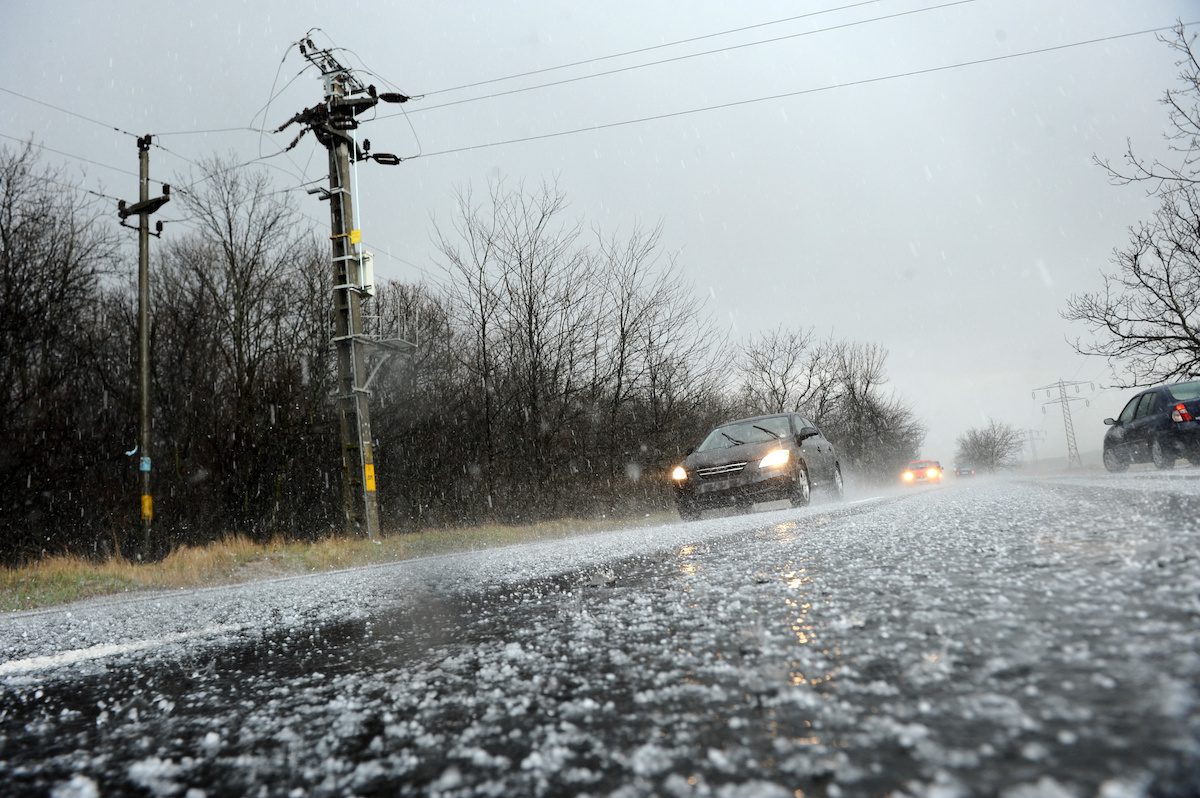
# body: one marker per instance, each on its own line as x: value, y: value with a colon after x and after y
x: 556, y: 370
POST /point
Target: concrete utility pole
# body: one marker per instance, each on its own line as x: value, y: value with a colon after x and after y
x: 1073, y: 458
x: 331, y: 122
x: 143, y: 208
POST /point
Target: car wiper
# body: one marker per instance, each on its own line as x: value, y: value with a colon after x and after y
x: 764, y: 429
x: 733, y: 440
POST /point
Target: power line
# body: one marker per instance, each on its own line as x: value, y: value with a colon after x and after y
x: 105, y: 125
x: 67, y: 111
x: 646, y: 49
x: 206, y: 131
x: 436, y: 278
x: 71, y: 155
x: 73, y: 187
x: 367, y: 70
x: 687, y: 57
x: 228, y: 169
x: 801, y: 92
x: 172, y: 152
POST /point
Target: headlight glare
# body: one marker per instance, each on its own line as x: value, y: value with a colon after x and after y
x: 679, y: 474
x: 775, y: 459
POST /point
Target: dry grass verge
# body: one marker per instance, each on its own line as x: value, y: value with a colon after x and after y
x: 58, y: 580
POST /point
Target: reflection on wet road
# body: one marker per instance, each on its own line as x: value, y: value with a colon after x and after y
x: 992, y: 638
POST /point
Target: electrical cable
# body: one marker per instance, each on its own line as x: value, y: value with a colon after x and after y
x: 801, y: 92
x: 73, y: 187
x: 403, y: 111
x: 76, y: 157
x: 212, y: 130
x: 433, y: 277
x: 156, y: 145
x: 190, y: 220
x: 677, y: 58
x: 226, y: 170
x: 68, y: 112
x: 647, y: 49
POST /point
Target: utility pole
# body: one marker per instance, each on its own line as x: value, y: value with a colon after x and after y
x: 142, y: 209
x: 1073, y: 458
x: 332, y: 122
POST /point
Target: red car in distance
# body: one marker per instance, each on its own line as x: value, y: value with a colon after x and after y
x: 922, y: 472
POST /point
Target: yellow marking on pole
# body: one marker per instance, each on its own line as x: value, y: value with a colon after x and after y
x: 369, y: 476
x: 147, y: 507
x: 356, y: 236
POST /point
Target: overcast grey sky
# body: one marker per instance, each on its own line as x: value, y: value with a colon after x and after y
x: 945, y: 215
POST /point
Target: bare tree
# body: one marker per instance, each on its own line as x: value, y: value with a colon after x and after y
x: 875, y: 431
x: 240, y: 336
x: 1145, y: 320
x: 787, y: 370
x: 526, y: 305
x: 1183, y: 134
x: 991, y: 447
x: 54, y: 254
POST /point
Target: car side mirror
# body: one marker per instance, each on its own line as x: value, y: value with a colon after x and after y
x: 806, y: 433
x: 1111, y: 422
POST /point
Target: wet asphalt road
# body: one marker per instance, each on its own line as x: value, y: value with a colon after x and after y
x: 1014, y: 638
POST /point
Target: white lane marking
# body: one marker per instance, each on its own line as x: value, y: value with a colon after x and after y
x: 63, y: 658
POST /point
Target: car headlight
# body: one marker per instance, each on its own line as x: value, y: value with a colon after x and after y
x: 679, y: 474
x: 932, y: 473
x: 907, y: 476
x: 775, y: 459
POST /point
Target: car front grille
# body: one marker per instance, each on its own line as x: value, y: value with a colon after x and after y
x: 716, y: 472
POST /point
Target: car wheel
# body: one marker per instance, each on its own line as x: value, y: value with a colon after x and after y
x: 1114, y: 462
x: 839, y: 487
x: 802, y: 491
x: 1160, y: 456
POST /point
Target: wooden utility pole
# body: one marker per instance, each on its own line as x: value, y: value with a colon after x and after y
x: 143, y: 208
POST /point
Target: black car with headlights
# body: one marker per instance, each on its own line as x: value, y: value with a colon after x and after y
x: 757, y: 459
x: 1159, y: 426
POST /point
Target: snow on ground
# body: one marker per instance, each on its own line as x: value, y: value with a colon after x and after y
x: 85, y: 631
x: 994, y: 638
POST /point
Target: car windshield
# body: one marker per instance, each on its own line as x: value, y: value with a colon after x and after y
x: 1184, y: 391
x: 754, y: 431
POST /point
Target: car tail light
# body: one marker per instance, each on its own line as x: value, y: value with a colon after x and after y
x: 1180, y: 413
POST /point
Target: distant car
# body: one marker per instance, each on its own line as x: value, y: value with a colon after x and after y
x: 964, y: 471
x: 921, y: 472
x: 1159, y: 426
x: 763, y: 458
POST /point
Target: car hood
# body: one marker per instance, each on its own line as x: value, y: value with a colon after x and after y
x: 746, y: 452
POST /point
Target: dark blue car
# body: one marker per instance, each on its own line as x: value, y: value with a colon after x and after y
x: 1159, y: 426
